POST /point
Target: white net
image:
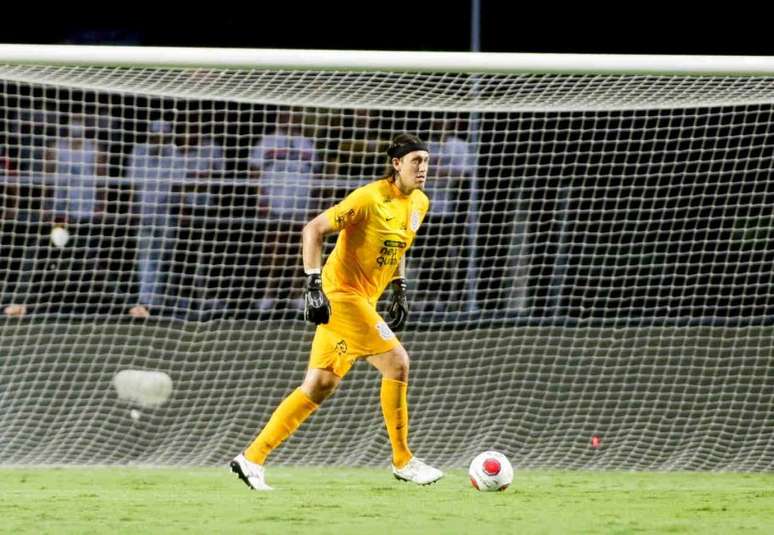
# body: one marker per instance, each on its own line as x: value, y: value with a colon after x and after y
x: 592, y: 288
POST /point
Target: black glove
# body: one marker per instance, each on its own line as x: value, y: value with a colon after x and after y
x: 398, y: 310
x: 317, y: 308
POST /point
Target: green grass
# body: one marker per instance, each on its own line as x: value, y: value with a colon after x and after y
x: 371, y: 502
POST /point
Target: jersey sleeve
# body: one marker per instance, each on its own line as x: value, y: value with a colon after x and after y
x: 425, y: 204
x: 351, y: 211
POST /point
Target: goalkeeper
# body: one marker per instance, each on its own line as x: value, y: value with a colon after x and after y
x: 377, y: 224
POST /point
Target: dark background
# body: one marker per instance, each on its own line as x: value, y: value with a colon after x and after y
x: 506, y: 26
x: 695, y: 261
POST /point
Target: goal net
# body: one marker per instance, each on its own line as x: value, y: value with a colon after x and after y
x: 591, y: 289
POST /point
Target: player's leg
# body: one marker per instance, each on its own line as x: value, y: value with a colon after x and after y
x: 292, y: 411
x: 318, y: 384
x: 394, y: 367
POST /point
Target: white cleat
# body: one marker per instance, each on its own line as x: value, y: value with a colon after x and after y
x: 418, y: 472
x: 249, y: 472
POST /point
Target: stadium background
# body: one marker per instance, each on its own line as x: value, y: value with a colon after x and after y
x: 652, y: 28
x: 627, y: 387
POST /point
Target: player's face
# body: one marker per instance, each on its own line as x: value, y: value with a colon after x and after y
x: 412, y: 170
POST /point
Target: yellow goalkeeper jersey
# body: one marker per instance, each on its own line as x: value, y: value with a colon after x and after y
x: 378, y: 224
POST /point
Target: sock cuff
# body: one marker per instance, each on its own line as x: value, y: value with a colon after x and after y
x: 395, y: 381
x: 306, y: 399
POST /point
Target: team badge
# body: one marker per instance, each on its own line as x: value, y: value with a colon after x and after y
x: 384, y: 331
x: 414, y: 220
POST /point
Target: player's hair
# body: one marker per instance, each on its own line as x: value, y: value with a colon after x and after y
x: 401, y: 145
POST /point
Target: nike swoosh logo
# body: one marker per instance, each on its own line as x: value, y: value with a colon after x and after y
x: 389, y: 218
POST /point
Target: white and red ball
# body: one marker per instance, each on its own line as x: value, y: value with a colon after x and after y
x: 490, y: 471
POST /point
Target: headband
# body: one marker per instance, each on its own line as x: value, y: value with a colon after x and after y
x: 402, y: 150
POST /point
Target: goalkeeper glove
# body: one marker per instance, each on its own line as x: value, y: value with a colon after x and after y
x: 398, y: 310
x: 317, y: 308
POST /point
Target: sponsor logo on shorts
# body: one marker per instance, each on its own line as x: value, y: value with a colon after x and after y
x: 384, y: 331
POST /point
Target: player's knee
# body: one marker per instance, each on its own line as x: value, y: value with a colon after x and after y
x: 319, y: 386
x: 323, y: 391
x: 399, y: 364
x: 326, y: 386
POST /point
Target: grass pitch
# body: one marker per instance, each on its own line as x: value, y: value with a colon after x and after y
x: 371, y: 502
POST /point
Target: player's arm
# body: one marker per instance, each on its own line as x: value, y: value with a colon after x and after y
x: 317, y: 308
x: 312, y: 242
x: 398, y: 310
x: 400, y: 271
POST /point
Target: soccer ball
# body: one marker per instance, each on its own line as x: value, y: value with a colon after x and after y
x: 490, y: 471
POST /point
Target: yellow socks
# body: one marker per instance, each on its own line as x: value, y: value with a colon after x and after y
x: 291, y: 413
x: 297, y: 407
x: 395, y: 410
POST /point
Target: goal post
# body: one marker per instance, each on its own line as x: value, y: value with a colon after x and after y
x: 591, y: 288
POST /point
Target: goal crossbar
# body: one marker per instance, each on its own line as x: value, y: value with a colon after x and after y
x: 362, y: 60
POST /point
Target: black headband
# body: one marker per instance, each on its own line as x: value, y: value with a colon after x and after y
x: 402, y: 150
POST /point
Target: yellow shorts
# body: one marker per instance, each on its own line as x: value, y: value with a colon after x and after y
x: 354, y: 331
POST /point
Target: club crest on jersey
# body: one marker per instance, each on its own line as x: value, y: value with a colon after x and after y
x: 415, y: 220
x: 385, y: 333
x: 341, y: 219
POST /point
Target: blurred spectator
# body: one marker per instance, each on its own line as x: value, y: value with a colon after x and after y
x: 203, y: 159
x: 154, y: 167
x: 7, y: 164
x: 57, y: 274
x: 196, y: 266
x: 441, y: 251
x: 357, y: 153
x: 285, y: 164
x: 75, y: 162
x: 108, y: 132
x: 27, y: 129
x: 11, y: 257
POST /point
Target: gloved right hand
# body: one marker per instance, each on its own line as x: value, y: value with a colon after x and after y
x: 317, y: 308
